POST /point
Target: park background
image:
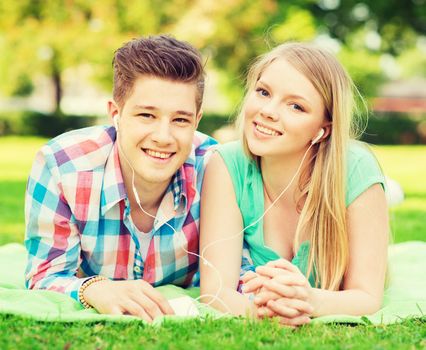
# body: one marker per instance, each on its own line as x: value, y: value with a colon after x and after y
x: 56, y: 75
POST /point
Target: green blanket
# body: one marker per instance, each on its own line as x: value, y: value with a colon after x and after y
x: 404, y: 297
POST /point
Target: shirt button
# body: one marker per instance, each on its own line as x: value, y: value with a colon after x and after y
x: 137, y: 269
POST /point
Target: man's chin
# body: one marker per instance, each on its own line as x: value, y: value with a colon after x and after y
x: 157, y: 177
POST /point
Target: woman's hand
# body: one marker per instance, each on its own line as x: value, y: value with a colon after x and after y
x: 252, y: 282
x: 281, y: 291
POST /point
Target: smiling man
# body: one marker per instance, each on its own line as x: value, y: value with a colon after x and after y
x: 113, y: 212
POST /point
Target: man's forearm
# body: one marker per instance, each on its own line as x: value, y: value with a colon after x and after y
x: 66, y: 285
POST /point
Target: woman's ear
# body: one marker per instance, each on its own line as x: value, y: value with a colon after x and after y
x: 327, y: 130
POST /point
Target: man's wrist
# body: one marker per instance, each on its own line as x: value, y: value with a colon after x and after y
x: 84, y: 286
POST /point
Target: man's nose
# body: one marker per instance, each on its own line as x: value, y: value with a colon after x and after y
x: 162, y: 134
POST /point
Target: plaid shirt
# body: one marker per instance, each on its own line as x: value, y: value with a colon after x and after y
x: 78, y: 216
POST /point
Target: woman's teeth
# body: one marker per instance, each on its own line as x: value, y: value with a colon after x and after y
x: 266, y: 131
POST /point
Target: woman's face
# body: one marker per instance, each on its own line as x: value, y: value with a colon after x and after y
x: 283, y: 113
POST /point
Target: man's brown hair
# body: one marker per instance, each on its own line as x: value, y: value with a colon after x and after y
x: 160, y: 56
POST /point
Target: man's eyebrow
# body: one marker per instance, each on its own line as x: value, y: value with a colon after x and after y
x: 186, y: 113
x: 152, y: 108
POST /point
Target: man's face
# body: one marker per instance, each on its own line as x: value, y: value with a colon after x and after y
x: 156, y: 129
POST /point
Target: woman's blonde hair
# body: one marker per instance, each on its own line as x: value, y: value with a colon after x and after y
x: 322, y: 182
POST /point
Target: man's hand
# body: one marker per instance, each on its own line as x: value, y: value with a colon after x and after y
x: 137, y: 298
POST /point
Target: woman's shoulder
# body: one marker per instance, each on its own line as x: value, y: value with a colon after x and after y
x: 241, y: 168
x: 233, y: 154
x: 363, y: 170
x: 360, y: 155
x: 233, y: 148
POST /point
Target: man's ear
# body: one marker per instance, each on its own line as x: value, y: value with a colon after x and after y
x: 198, y: 118
x: 113, y: 109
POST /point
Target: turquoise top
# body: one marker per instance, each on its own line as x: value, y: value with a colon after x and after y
x: 362, y: 172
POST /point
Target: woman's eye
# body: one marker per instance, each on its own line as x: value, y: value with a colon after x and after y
x: 262, y: 92
x: 297, y: 107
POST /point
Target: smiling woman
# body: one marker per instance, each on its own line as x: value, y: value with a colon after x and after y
x: 303, y: 201
x: 290, y: 107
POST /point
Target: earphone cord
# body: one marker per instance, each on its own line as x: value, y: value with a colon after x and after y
x: 215, y: 297
x: 135, y: 193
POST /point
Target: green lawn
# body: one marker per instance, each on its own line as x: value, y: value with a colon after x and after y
x: 405, y: 164
x: 16, y: 156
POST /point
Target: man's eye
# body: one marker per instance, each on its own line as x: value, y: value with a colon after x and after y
x: 262, y: 92
x: 145, y: 115
x: 182, y: 120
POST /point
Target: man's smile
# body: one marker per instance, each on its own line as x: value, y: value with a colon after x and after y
x: 158, y: 154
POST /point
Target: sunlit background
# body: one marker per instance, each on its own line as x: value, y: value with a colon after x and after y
x: 55, y: 55
x: 56, y: 75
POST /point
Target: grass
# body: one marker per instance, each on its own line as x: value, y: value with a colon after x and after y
x: 209, y: 334
x: 405, y: 164
x: 16, y: 157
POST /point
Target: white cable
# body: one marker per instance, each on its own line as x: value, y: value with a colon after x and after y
x: 135, y: 193
x: 201, y: 257
x: 267, y: 209
x: 216, y: 295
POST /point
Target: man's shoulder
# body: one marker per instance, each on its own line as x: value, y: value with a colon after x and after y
x: 81, y: 149
x: 202, y: 143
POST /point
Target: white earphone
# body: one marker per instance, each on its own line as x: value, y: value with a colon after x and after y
x: 115, y: 121
x: 318, y: 137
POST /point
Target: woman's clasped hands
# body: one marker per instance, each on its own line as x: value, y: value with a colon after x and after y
x: 280, y: 290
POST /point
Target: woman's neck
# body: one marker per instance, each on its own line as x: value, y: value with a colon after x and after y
x: 278, y: 173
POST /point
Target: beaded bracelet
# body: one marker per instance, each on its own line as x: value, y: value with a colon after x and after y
x: 83, y: 287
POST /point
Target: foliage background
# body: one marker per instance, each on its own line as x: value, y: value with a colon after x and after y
x: 376, y: 41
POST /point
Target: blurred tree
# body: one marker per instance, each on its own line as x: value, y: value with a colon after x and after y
x: 49, y: 36
x: 45, y: 37
x: 396, y: 22
x: 233, y: 32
